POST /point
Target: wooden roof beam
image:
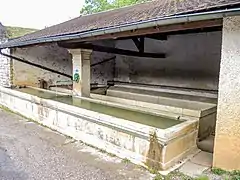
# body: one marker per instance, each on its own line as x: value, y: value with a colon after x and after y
x: 111, y: 50
x: 155, y: 30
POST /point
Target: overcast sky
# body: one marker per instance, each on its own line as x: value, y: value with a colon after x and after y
x: 38, y: 13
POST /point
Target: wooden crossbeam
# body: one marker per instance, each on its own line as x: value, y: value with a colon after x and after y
x: 110, y: 50
x: 157, y: 37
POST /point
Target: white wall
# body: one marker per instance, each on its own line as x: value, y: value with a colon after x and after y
x: 193, y: 61
x: 54, y: 57
x: 50, y: 56
x: 227, y: 139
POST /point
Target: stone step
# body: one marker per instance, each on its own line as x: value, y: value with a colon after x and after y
x: 182, y: 91
x: 191, y: 108
x: 167, y: 93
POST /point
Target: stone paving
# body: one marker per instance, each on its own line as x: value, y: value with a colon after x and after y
x: 29, y: 151
x: 197, y: 165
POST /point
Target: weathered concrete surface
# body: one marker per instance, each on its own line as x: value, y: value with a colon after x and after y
x: 59, y: 59
x: 51, y: 56
x: 29, y: 151
x: 5, y: 69
x: 124, y: 138
x: 81, y: 71
x: 102, y: 72
x: 227, y: 149
x: 5, y: 62
x: 192, y: 61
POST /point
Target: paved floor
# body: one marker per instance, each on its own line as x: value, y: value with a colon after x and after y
x: 198, y: 165
x: 29, y: 151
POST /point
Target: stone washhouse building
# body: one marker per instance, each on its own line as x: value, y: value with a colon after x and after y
x: 153, y: 82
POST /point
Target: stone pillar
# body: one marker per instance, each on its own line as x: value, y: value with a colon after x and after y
x: 227, y: 140
x: 81, y: 71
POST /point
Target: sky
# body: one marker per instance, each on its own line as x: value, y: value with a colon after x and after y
x: 38, y: 13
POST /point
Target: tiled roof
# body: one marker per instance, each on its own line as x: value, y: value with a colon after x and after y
x: 132, y: 14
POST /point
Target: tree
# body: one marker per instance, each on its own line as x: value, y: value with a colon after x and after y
x: 93, y: 6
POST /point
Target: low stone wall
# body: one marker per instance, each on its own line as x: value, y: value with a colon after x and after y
x: 145, y: 145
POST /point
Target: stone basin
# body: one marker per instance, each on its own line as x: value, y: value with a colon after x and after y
x: 151, y: 140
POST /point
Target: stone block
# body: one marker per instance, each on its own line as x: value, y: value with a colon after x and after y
x: 179, y: 146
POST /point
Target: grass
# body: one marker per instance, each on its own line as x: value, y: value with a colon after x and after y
x: 126, y: 161
x: 153, y: 171
x: 229, y: 175
x: 202, y: 178
x: 176, y: 175
x: 218, y: 171
x: 159, y: 177
x: 14, y: 32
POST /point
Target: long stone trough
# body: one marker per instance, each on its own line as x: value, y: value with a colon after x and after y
x: 154, y: 141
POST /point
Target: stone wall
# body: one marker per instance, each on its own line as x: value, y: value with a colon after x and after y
x: 59, y: 59
x: 193, y: 61
x: 51, y: 56
x: 104, y: 72
x: 5, y: 69
x: 227, y: 140
x: 5, y: 62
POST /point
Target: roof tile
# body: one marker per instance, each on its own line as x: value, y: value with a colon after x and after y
x: 127, y: 15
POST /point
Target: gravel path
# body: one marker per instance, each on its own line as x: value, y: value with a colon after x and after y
x: 29, y: 151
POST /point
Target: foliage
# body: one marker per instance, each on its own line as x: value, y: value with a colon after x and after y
x: 235, y: 173
x: 235, y: 177
x: 14, y: 32
x: 94, y: 6
x: 230, y: 175
x: 219, y: 171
